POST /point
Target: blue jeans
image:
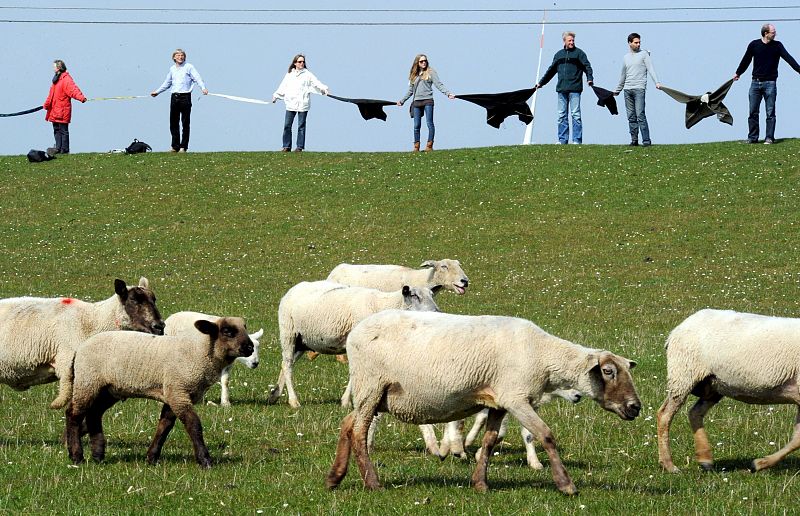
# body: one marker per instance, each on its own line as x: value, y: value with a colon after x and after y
x: 637, y: 120
x: 768, y: 90
x: 301, y: 129
x: 571, y: 100
x: 428, y: 110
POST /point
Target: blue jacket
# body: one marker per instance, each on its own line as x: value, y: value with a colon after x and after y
x: 570, y: 65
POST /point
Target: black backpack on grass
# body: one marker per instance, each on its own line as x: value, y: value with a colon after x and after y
x: 37, y: 156
x: 136, y: 147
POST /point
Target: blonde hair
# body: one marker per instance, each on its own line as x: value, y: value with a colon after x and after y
x: 179, y: 51
x: 425, y: 75
x: 294, y: 60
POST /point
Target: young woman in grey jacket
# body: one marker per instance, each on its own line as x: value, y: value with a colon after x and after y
x: 422, y: 78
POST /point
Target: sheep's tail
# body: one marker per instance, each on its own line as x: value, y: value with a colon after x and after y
x: 64, y: 387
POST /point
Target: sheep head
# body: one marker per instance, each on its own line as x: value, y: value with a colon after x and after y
x: 419, y: 299
x: 612, y: 384
x: 139, y: 307
x: 447, y: 274
x: 228, y: 338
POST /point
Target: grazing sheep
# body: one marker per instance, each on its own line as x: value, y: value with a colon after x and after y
x: 176, y: 371
x: 435, y: 275
x: 38, y: 336
x: 571, y: 395
x: 462, y: 364
x: 319, y: 315
x: 717, y: 353
x: 182, y: 323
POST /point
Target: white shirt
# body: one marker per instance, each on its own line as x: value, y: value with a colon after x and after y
x: 296, y: 88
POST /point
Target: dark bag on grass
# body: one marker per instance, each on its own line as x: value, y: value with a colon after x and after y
x: 136, y: 147
x: 37, y: 156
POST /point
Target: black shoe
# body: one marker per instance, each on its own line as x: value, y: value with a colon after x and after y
x: 752, y: 141
x: 52, y: 151
x: 646, y: 144
x: 634, y: 143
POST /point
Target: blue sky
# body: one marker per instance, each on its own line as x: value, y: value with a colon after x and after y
x: 371, y: 62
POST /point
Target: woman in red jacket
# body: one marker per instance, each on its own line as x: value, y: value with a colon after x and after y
x: 59, y: 106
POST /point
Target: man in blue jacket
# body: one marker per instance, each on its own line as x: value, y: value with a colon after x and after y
x: 570, y: 63
x: 765, y: 53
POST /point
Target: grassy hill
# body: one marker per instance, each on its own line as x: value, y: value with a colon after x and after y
x: 603, y: 245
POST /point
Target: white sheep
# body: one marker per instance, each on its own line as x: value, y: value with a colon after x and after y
x: 182, y: 323
x: 175, y: 370
x: 425, y: 367
x: 717, y: 353
x: 38, y: 336
x: 435, y: 275
x: 318, y: 316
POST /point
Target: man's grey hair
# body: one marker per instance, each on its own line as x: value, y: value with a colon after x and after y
x: 567, y: 33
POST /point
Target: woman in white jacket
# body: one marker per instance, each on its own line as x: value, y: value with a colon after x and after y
x: 295, y: 90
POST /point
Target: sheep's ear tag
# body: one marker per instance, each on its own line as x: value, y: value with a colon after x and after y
x: 121, y: 288
x: 207, y: 327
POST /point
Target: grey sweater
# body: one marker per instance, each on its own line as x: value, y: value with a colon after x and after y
x: 635, y: 66
x: 423, y: 90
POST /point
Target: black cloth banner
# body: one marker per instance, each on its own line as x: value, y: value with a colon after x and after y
x: 27, y: 111
x: 605, y: 98
x: 500, y: 106
x: 369, y: 108
x: 699, y: 107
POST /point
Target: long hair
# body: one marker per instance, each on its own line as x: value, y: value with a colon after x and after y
x: 60, y: 68
x: 294, y: 60
x: 415, y: 69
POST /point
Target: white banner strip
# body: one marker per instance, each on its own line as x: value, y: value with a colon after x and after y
x: 240, y: 99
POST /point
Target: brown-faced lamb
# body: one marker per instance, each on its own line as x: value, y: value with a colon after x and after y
x: 176, y: 371
x: 318, y: 316
x: 182, y: 323
x: 717, y: 353
x: 462, y: 364
x: 38, y: 336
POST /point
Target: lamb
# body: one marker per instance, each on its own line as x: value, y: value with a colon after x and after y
x: 435, y: 275
x: 571, y: 395
x: 38, y: 336
x: 175, y: 370
x: 463, y: 364
x: 717, y: 353
x: 182, y: 323
x: 319, y: 315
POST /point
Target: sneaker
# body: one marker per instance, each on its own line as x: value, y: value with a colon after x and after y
x: 181, y: 150
x: 285, y: 149
x: 173, y: 150
x: 634, y: 143
x: 752, y: 141
x: 646, y: 144
x: 769, y: 141
x: 298, y: 150
x: 52, y: 151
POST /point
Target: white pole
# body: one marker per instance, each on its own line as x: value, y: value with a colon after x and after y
x: 529, y: 128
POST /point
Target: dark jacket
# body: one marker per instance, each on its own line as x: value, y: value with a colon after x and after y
x: 765, y: 57
x: 570, y: 66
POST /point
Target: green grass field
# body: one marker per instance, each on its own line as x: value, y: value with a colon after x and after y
x: 603, y: 245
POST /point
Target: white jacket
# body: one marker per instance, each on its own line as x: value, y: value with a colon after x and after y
x: 296, y: 89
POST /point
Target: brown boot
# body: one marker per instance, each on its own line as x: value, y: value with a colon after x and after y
x: 429, y: 146
x: 416, y: 147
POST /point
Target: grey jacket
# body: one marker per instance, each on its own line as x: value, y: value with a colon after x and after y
x: 423, y: 90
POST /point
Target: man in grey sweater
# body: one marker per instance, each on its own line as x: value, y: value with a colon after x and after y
x: 635, y: 67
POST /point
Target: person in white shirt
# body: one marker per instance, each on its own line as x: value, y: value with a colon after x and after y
x: 295, y: 90
x: 181, y: 78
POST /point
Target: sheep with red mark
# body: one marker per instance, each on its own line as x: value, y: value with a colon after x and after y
x: 717, y: 353
x: 462, y: 364
x: 318, y: 316
x: 38, y: 336
x: 434, y: 274
x: 182, y: 323
x: 175, y: 370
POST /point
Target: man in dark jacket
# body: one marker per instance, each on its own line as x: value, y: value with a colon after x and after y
x: 765, y: 54
x: 570, y: 63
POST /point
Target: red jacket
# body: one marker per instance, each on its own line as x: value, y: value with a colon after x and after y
x: 58, y: 103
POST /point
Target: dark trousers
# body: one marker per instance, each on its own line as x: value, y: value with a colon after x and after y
x: 61, y: 133
x: 180, y: 109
